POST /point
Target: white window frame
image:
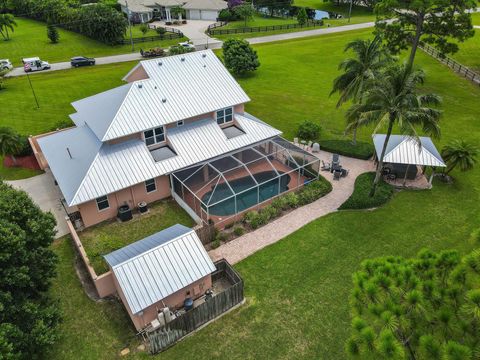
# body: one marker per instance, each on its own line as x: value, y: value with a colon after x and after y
x: 154, y: 183
x: 106, y: 199
x: 221, y: 116
x: 154, y: 137
x: 180, y: 123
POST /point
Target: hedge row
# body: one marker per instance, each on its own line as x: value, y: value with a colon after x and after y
x: 308, y: 194
x: 361, y: 150
x: 97, y: 21
x: 360, y: 199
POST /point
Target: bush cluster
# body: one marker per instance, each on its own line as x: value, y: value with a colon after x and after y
x: 292, y: 200
x: 309, y: 130
x: 179, y: 49
x: 361, y: 150
x: 97, y: 21
x: 228, y: 15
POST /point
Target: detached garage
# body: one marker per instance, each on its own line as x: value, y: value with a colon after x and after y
x: 204, y: 9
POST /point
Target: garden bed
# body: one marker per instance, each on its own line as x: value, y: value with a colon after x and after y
x: 278, y: 207
x: 360, y: 198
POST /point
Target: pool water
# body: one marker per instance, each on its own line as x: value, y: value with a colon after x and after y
x: 248, y: 198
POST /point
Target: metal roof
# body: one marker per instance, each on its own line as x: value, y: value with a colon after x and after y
x: 205, y: 4
x: 179, y: 87
x: 111, y: 167
x: 153, y: 268
x: 403, y: 149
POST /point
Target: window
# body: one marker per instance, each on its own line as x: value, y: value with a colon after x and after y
x: 150, y: 185
x: 224, y: 115
x: 180, y: 123
x: 154, y: 136
x: 102, y: 203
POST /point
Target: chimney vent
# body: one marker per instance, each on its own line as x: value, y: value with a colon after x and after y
x: 164, y: 100
x: 140, y: 86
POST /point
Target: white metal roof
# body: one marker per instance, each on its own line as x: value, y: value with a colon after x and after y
x: 206, y: 4
x: 117, y: 166
x: 179, y: 87
x: 403, y: 149
x: 159, y: 265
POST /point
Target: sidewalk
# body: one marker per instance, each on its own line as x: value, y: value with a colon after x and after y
x: 244, y: 246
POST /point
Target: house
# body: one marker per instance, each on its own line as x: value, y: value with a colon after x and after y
x: 159, y: 272
x: 144, y: 10
x: 174, y: 114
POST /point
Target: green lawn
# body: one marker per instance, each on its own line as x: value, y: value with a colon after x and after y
x: 297, y: 289
x: 30, y: 39
x: 476, y: 18
x: 16, y: 173
x: 469, y: 53
x: 106, y: 237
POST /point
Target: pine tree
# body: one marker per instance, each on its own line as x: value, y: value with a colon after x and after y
x: 52, y: 33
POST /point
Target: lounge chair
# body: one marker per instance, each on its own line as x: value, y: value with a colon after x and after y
x: 325, y: 166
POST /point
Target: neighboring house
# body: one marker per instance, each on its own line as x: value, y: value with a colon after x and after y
x: 174, y: 113
x: 144, y: 10
x: 160, y: 271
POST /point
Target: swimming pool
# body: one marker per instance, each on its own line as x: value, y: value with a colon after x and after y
x: 249, y: 198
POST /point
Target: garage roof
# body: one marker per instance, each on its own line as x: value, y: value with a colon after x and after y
x: 151, y: 269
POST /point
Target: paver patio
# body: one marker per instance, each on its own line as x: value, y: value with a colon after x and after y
x: 244, y: 246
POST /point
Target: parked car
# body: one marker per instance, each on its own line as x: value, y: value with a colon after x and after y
x: 5, y: 64
x: 187, y: 45
x: 34, y: 64
x: 82, y: 61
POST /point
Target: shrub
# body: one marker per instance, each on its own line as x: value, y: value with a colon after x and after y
x: 143, y: 28
x: 361, y: 150
x: 52, y: 33
x: 314, y: 190
x: 239, y: 56
x: 215, y: 244
x: 62, y: 124
x: 269, y: 212
x: 249, y: 216
x: 238, y: 231
x: 227, y: 15
x: 308, y: 130
x: 160, y: 30
x: 25, y: 149
x: 292, y: 200
x: 302, y: 16
x: 178, y: 49
x: 281, y: 203
x: 360, y: 198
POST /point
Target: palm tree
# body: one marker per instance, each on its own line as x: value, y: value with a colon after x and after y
x: 7, y: 21
x: 370, y: 58
x: 9, y: 142
x: 392, y: 100
x: 460, y: 153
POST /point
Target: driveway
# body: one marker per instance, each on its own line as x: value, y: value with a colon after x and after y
x: 195, y: 31
x: 46, y: 195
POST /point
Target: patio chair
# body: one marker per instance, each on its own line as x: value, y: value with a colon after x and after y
x: 337, y: 175
x: 344, y: 172
x: 325, y: 166
x: 309, y: 145
x: 335, y: 159
x: 295, y: 141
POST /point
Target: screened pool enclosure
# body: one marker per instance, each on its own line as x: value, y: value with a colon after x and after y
x: 223, y: 188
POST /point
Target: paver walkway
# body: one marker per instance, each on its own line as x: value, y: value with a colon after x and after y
x: 244, y: 246
x: 46, y: 195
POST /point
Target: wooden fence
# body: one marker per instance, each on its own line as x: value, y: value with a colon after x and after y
x: 454, y: 65
x: 171, y: 33
x: 164, y: 337
x: 212, y: 28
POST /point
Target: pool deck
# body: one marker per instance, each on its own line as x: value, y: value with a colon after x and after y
x: 246, y: 245
x: 295, y: 182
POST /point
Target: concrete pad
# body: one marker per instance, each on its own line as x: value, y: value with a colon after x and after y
x: 47, y: 196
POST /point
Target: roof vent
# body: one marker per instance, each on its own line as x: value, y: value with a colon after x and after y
x: 69, y: 153
x: 182, y: 59
x: 164, y: 100
x: 160, y: 63
x: 155, y: 87
x: 140, y: 86
x: 204, y: 55
x: 204, y: 65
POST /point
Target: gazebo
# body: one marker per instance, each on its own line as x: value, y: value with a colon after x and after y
x: 406, y: 158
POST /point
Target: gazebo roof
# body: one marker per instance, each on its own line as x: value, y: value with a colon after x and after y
x: 403, y: 149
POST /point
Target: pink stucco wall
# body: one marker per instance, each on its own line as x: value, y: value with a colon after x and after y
x: 131, y: 196
x: 173, y: 301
